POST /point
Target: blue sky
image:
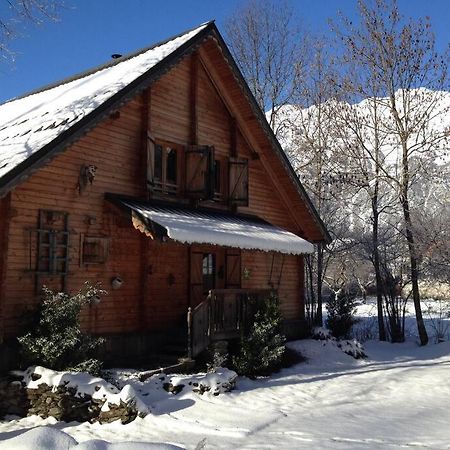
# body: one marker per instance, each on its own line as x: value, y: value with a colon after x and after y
x: 89, y: 31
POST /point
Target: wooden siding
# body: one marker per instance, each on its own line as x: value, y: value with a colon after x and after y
x: 4, y: 230
x: 155, y: 292
x: 283, y: 273
x: 114, y: 147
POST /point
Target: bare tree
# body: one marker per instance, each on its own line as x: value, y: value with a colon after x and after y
x: 18, y: 13
x: 269, y: 49
x: 400, y: 58
x: 361, y: 139
x: 311, y: 151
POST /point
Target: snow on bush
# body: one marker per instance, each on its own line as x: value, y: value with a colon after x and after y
x: 350, y: 347
x: 217, y: 382
x: 321, y: 334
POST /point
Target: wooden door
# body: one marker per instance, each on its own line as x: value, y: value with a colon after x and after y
x: 208, y: 270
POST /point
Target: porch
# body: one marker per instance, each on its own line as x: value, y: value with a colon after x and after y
x: 225, y: 314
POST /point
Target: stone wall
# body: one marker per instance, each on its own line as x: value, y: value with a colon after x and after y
x: 60, y: 403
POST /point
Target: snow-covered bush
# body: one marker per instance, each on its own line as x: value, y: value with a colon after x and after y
x: 54, y: 338
x: 261, y: 351
x: 321, y: 334
x: 352, y: 348
x: 341, y: 313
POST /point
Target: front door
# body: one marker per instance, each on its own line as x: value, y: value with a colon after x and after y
x: 212, y: 267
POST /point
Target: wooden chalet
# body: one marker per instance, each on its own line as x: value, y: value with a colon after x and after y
x: 158, y: 176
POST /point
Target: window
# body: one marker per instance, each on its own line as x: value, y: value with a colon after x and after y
x: 209, y: 272
x: 162, y: 169
x: 165, y: 177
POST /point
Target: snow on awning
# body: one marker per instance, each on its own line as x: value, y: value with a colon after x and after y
x: 190, y: 226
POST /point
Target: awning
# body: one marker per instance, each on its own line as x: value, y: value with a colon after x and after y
x: 201, y: 226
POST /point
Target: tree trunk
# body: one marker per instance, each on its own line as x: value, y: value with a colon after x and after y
x: 423, y: 336
x: 414, y: 269
x: 377, y: 268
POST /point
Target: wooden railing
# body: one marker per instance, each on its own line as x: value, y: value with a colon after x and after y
x: 224, y: 314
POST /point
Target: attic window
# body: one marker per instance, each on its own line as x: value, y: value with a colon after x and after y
x: 165, y: 168
x: 94, y: 250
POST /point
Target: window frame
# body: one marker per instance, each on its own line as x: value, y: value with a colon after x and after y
x: 210, y: 276
x: 160, y: 184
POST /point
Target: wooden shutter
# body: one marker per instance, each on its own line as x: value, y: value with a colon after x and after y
x: 233, y: 269
x: 199, y: 163
x: 150, y: 161
x: 238, y: 181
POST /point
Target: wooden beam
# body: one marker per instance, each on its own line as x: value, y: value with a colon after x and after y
x: 193, y: 94
x: 146, y: 114
x: 233, y: 137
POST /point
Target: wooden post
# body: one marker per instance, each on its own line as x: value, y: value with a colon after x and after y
x: 189, y: 328
x: 301, y: 282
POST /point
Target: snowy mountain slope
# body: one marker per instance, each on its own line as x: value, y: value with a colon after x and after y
x: 295, y: 126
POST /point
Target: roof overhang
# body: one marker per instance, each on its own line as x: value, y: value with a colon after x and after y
x: 207, y: 226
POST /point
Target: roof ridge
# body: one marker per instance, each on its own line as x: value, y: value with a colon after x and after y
x: 105, y: 65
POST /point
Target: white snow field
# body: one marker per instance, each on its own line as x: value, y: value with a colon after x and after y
x: 399, y: 396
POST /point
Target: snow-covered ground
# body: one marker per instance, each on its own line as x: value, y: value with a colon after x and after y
x: 397, y: 397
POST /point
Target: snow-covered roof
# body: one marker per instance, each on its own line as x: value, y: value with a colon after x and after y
x: 190, y: 226
x: 29, y: 123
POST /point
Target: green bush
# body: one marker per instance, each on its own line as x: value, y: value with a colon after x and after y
x: 341, y: 313
x: 261, y: 350
x: 54, y: 338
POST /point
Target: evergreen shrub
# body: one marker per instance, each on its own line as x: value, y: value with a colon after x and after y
x: 341, y: 311
x: 54, y: 339
x: 261, y: 350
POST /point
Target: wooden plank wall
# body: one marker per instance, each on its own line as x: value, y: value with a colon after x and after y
x: 4, y: 229
x: 155, y: 289
x: 284, y: 276
x: 113, y: 147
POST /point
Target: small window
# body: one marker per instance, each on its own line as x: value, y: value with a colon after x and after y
x: 94, y: 250
x: 209, y: 272
x: 163, y: 173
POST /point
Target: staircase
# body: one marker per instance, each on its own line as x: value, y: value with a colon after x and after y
x: 224, y: 315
